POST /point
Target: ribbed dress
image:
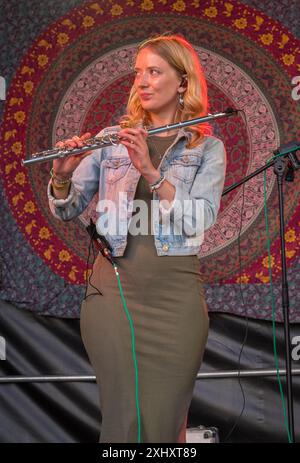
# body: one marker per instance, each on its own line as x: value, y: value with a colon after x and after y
x: 164, y: 296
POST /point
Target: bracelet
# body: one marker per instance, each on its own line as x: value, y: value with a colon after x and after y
x: 59, y: 181
x: 60, y: 186
x: 154, y: 186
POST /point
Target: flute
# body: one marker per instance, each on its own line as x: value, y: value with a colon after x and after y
x: 113, y: 139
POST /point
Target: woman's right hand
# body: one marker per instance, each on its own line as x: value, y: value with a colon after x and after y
x: 64, y: 167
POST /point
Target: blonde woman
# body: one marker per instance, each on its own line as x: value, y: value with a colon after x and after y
x: 181, y: 172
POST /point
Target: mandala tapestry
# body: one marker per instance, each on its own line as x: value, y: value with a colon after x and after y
x: 74, y: 76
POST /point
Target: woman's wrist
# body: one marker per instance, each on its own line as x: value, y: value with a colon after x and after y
x: 152, y: 176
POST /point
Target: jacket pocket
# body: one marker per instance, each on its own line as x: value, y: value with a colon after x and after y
x: 115, y: 168
x: 185, y: 167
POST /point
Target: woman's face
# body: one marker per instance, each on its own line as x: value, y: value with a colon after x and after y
x: 157, y: 84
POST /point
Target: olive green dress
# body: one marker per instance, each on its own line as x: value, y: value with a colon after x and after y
x: 164, y: 296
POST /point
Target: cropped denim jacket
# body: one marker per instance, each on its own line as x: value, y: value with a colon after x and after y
x: 198, y: 177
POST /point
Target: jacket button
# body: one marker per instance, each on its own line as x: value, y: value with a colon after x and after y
x: 165, y: 247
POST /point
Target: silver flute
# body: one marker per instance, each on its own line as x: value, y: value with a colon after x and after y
x: 113, y: 139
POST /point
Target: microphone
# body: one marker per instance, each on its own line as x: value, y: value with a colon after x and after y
x: 293, y: 163
x: 102, y: 243
x: 231, y: 110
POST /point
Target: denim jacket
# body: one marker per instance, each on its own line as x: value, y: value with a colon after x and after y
x: 198, y: 177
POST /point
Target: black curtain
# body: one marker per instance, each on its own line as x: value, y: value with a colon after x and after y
x: 69, y: 411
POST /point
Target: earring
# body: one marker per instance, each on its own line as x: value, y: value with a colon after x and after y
x: 181, y: 102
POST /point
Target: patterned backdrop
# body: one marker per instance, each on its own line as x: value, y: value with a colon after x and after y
x: 68, y: 70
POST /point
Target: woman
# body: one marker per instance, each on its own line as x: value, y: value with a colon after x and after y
x: 158, y: 269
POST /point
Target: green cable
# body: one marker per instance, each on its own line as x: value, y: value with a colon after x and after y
x: 133, y: 353
x: 273, y: 307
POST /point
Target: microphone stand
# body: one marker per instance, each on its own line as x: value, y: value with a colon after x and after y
x: 280, y: 170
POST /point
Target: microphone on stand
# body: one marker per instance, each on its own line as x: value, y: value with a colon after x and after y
x: 293, y: 163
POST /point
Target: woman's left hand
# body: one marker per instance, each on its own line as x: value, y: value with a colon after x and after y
x: 135, y: 142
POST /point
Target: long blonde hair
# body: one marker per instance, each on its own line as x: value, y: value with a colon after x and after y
x: 180, y: 54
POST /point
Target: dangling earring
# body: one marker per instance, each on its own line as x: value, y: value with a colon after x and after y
x: 181, y: 102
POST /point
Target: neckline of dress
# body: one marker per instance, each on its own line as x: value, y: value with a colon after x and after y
x: 157, y: 137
